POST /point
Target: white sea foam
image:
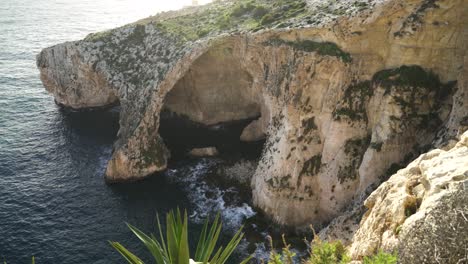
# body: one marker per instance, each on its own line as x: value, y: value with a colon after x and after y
x: 208, y: 199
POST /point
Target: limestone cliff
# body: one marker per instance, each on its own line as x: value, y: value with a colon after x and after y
x: 346, y: 92
x: 421, y: 211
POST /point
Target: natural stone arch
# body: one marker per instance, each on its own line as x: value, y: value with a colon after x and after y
x: 215, y: 98
x: 144, y: 152
x: 215, y: 89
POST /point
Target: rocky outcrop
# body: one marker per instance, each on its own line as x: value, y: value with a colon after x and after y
x: 344, y: 93
x: 73, y: 80
x: 204, y: 152
x: 421, y: 212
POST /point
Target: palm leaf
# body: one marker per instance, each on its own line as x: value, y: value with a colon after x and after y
x: 152, y: 245
x: 245, y: 261
x: 164, y: 246
x: 132, y: 259
x: 184, y: 255
x: 174, y: 247
x: 231, y: 246
x: 199, y: 253
x: 172, y: 237
x: 209, y: 242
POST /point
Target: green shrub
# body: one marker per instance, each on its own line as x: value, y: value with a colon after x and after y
x: 327, y: 252
x: 322, y: 48
x: 174, y: 248
x: 413, y: 76
x: 224, y: 22
x: 267, y: 19
x: 286, y: 257
x: 381, y: 258
x: 259, y: 12
x: 320, y: 253
x: 242, y: 8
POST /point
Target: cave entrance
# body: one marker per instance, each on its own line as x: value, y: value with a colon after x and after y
x: 211, y: 106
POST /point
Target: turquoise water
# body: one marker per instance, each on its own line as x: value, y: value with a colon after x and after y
x: 54, y: 203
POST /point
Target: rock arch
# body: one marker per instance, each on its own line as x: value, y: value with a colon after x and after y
x: 209, y: 87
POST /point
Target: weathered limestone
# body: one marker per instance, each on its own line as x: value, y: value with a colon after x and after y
x: 342, y: 103
x: 422, y: 211
x: 215, y: 89
x: 255, y: 131
x: 70, y: 76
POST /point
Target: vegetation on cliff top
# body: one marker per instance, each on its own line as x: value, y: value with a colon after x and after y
x: 253, y: 15
x: 322, y: 48
x: 244, y: 15
x: 163, y: 39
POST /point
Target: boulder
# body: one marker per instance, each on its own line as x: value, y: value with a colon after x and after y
x: 204, y: 152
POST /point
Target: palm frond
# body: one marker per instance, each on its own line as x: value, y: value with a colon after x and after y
x: 173, y: 248
x: 132, y: 259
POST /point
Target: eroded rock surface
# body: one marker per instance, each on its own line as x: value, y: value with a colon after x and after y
x: 345, y: 93
x: 71, y: 76
x: 421, y: 212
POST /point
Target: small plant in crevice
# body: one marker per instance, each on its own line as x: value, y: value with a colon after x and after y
x: 285, y: 257
x: 397, y: 230
x: 174, y: 247
x: 323, y: 252
x: 381, y: 258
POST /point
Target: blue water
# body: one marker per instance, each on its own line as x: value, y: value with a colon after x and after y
x: 54, y: 203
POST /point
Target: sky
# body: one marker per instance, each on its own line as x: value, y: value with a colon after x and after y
x: 164, y: 5
x: 121, y: 12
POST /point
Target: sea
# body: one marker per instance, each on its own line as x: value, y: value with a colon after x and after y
x: 54, y: 202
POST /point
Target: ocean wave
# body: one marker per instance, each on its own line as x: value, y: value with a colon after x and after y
x: 208, y: 199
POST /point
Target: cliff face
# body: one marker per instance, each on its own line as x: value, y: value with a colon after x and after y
x: 75, y: 83
x: 346, y: 93
x: 420, y: 211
